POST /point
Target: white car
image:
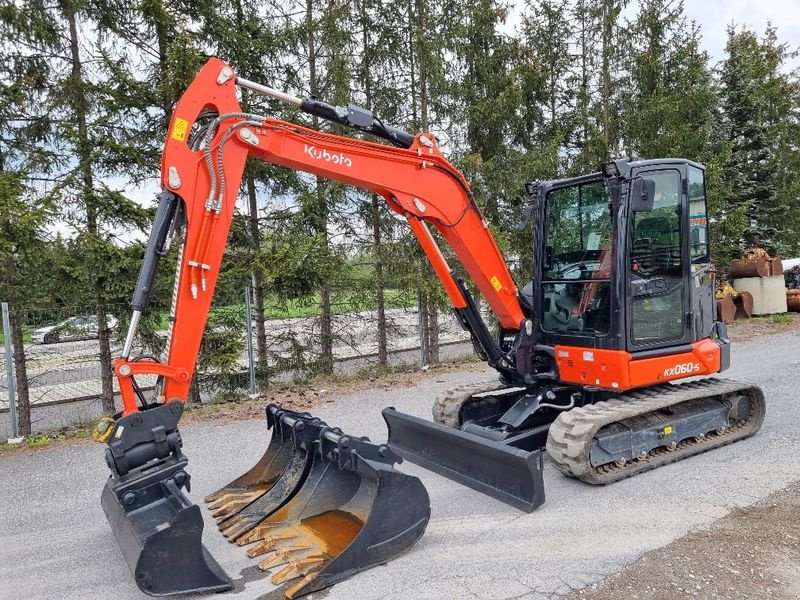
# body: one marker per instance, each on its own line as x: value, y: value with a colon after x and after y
x: 74, y: 328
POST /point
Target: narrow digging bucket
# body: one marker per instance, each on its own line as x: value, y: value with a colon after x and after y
x: 158, y: 529
x: 503, y: 472
x: 353, y: 511
x: 276, y: 475
x: 294, y: 438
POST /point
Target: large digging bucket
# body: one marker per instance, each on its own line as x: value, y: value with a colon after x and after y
x: 276, y: 475
x: 353, y: 511
x: 158, y: 529
x: 503, y: 472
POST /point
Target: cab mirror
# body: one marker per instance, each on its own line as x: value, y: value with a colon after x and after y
x: 643, y: 194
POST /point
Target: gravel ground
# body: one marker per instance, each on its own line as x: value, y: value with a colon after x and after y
x: 55, y: 542
x: 752, y: 553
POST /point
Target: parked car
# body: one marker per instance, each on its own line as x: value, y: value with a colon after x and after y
x: 75, y: 328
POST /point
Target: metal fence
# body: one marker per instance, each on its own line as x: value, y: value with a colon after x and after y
x: 61, y: 351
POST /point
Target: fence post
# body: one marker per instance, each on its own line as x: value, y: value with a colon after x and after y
x: 10, y: 383
x: 421, y: 324
x: 251, y: 364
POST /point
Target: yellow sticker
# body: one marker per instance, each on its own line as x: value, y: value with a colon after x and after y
x: 667, y: 429
x: 496, y: 283
x: 179, y: 129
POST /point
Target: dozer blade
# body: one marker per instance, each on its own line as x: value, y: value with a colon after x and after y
x: 503, y: 472
x: 158, y: 529
x: 352, y: 511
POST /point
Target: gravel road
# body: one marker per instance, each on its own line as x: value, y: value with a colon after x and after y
x: 56, y: 544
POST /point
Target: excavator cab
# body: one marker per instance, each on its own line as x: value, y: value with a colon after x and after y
x: 616, y: 250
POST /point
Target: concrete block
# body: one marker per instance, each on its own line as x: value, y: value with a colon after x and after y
x: 769, y: 293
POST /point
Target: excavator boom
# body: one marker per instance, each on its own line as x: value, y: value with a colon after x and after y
x: 208, y: 142
x: 201, y: 177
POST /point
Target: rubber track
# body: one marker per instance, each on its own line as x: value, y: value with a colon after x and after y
x: 447, y: 408
x: 569, y: 442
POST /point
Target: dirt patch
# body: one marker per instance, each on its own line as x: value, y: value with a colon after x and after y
x: 295, y: 397
x: 747, y: 329
x: 309, y: 397
x: 752, y: 553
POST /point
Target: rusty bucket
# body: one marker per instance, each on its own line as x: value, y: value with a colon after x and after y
x: 274, y: 479
x: 348, y: 510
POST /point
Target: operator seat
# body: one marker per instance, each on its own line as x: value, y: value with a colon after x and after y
x: 655, y: 245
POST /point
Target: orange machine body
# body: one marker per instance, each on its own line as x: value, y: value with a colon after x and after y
x: 621, y: 370
x: 416, y: 182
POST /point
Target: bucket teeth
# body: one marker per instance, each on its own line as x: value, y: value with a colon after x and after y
x: 297, y: 568
x: 323, y: 519
x: 269, y: 543
x: 233, y: 502
x: 234, y: 529
x: 281, y: 556
x: 293, y: 590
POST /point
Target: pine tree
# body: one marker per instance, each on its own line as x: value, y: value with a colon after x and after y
x: 26, y: 164
x: 670, y: 100
x: 545, y: 34
x: 756, y: 97
x: 74, y: 98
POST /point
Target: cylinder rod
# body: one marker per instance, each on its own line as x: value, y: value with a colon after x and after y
x: 268, y: 91
x: 126, y: 349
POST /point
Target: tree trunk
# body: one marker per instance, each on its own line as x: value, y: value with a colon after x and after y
x: 432, y: 325
x: 194, y: 392
x: 609, y: 19
x: 20, y: 366
x: 431, y: 311
x: 21, y: 374
x: 422, y: 312
x: 326, y: 328
x: 375, y: 210
x: 104, y: 340
x: 380, y: 283
x: 258, y: 285
x: 80, y: 105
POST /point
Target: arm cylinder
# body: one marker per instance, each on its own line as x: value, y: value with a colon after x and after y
x: 156, y: 248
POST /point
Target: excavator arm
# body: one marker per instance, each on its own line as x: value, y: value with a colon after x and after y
x: 201, y: 175
x: 312, y: 478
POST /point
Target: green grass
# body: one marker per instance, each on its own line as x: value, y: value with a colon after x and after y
x: 781, y: 319
x: 340, y: 304
x: 42, y: 440
x: 26, y: 335
x: 309, y: 307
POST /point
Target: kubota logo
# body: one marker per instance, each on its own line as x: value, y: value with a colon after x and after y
x: 684, y: 369
x: 337, y: 159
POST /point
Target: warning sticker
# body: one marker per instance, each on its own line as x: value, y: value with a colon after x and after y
x: 179, y: 129
x: 496, y: 284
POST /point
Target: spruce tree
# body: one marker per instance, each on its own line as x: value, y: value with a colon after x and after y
x: 757, y: 97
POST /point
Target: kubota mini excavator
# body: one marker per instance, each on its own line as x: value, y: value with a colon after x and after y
x: 620, y: 304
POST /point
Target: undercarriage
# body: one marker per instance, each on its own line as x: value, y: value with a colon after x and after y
x: 600, y: 437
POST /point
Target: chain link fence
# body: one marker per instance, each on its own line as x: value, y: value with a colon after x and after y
x: 62, y: 350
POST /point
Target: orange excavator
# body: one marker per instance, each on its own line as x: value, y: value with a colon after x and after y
x: 619, y: 305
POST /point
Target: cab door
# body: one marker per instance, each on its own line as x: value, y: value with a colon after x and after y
x: 657, y: 265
